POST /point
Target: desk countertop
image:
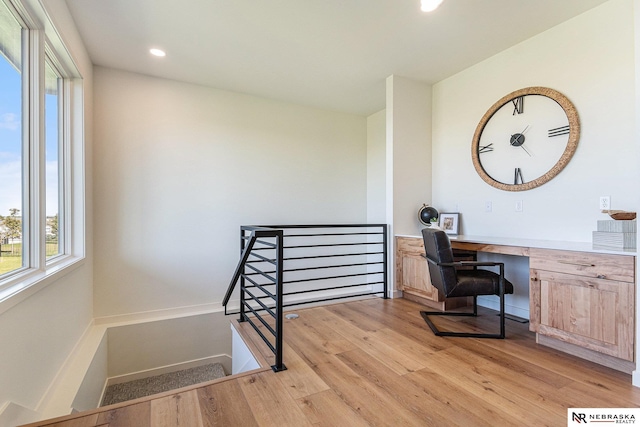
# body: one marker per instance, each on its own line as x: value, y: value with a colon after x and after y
x: 534, y: 243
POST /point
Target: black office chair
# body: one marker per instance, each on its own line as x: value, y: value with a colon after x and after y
x: 454, y: 282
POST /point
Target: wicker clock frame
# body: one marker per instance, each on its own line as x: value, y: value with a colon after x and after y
x: 572, y: 143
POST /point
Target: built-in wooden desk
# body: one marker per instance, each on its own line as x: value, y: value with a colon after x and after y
x: 581, y: 297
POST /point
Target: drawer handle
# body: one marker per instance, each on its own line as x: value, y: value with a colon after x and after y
x: 601, y: 276
x: 576, y: 263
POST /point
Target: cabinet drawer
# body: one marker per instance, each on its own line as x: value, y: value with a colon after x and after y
x: 599, y: 266
x: 410, y: 245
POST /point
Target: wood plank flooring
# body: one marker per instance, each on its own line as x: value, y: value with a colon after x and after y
x: 376, y: 363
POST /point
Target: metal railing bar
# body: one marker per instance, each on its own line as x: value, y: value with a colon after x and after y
x: 315, y: 279
x: 264, y: 242
x: 260, y: 272
x: 236, y: 275
x: 315, y: 226
x: 269, y: 244
x: 323, y: 245
x: 334, y: 255
x: 259, y: 332
x: 261, y: 287
x: 253, y: 276
x: 266, y: 325
x: 337, y: 287
x: 321, y: 267
x: 262, y: 258
x: 332, y: 245
x: 257, y: 299
x: 385, y: 266
x: 374, y: 233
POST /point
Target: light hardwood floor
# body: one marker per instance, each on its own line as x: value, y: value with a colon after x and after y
x: 375, y: 362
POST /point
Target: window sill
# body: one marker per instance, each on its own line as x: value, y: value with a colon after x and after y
x: 30, y: 282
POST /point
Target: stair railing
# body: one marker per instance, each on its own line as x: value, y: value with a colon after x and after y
x: 321, y: 263
x: 260, y: 236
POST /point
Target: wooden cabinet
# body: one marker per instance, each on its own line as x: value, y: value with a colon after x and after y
x: 412, y: 276
x: 584, y: 299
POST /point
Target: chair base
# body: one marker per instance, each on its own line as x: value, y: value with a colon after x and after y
x: 425, y: 315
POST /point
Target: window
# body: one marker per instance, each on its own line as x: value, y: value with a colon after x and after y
x: 53, y: 165
x: 11, y: 147
x: 41, y: 151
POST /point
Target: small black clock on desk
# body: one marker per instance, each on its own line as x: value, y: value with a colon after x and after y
x: 525, y: 139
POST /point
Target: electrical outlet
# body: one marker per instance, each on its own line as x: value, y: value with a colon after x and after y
x: 605, y: 202
x: 487, y: 206
x: 519, y: 206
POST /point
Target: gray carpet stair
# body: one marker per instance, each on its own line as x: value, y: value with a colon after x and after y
x: 122, y: 392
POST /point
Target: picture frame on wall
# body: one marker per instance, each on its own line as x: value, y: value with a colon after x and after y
x: 450, y: 222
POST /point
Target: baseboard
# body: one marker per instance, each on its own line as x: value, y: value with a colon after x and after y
x: 494, y: 304
x: 590, y: 355
x: 396, y: 293
x: 223, y: 359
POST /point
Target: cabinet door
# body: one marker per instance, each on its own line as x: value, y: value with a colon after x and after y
x: 415, y: 276
x: 593, y: 313
x: 412, y: 271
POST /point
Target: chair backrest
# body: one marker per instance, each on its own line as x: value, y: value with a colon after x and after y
x: 438, y: 250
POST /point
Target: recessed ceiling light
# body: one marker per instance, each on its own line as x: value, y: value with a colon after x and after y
x: 157, y: 52
x: 429, y: 5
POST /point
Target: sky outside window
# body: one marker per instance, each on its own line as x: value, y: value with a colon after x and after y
x: 11, y: 146
x: 10, y: 133
x: 52, y: 151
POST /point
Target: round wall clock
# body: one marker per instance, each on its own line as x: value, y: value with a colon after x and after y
x: 525, y: 139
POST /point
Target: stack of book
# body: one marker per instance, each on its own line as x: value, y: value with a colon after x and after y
x: 616, y: 234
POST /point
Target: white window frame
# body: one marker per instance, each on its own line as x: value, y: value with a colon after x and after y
x: 41, y: 41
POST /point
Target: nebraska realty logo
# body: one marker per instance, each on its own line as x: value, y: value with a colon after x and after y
x: 602, y: 416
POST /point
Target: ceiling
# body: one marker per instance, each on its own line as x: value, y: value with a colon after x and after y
x: 331, y: 54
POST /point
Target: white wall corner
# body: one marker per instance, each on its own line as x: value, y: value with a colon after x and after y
x: 408, y: 158
x: 409, y: 177
x: 12, y: 414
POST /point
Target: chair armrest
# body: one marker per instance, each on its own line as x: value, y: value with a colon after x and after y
x: 478, y: 263
x: 470, y: 264
x: 466, y: 263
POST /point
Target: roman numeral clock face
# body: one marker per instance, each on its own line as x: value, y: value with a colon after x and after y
x: 525, y: 139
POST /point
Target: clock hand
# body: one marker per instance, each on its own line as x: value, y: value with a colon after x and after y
x: 517, y: 140
x: 522, y: 133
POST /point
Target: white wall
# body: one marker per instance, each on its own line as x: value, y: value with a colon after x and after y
x: 146, y: 346
x: 408, y: 128
x: 38, y: 334
x: 376, y: 166
x: 180, y: 167
x: 591, y: 60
